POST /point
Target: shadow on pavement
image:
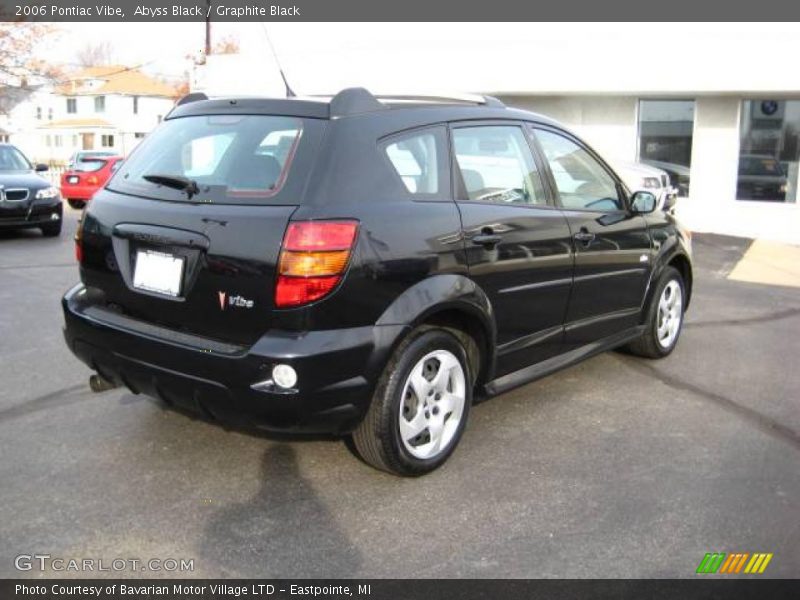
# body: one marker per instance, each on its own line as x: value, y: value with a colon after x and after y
x: 285, y: 526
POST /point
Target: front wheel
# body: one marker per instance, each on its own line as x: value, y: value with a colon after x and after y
x: 76, y: 204
x: 51, y: 229
x: 420, y: 406
x: 664, y: 318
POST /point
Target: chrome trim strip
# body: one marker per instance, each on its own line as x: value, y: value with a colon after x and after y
x: 537, y: 285
x: 609, y: 274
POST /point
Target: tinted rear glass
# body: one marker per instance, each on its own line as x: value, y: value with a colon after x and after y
x: 232, y: 158
x: 88, y: 166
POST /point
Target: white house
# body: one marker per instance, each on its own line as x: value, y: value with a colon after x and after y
x: 98, y: 108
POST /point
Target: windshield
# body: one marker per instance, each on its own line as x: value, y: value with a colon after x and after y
x: 757, y: 165
x: 231, y: 158
x: 12, y: 159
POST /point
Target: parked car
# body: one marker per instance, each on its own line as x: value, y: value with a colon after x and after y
x: 82, y: 155
x: 80, y: 183
x: 27, y: 200
x: 397, y: 262
x: 761, y: 177
x: 639, y: 176
x: 679, y: 175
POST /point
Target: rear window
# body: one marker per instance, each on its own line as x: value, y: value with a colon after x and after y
x: 231, y: 158
x: 89, y: 166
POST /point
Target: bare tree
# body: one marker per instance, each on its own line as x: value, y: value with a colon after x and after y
x: 95, y: 55
x: 20, y: 70
x: 227, y: 45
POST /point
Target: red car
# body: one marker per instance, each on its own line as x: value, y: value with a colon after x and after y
x: 79, y: 184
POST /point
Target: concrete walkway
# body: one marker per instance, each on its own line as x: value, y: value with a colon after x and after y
x: 769, y: 263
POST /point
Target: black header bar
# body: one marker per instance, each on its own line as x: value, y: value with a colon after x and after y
x: 402, y: 10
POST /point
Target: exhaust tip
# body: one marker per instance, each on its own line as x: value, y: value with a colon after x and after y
x: 98, y: 383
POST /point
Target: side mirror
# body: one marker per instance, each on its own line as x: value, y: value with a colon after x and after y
x: 41, y: 168
x: 643, y: 202
x: 669, y: 202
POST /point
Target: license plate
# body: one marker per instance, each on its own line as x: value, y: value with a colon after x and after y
x: 72, y: 179
x: 158, y: 272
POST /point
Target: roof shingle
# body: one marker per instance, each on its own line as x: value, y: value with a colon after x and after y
x: 116, y: 79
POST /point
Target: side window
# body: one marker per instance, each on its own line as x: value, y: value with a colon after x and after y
x: 419, y: 160
x: 582, y: 182
x: 496, y: 165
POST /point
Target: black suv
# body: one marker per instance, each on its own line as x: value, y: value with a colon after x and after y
x: 365, y: 266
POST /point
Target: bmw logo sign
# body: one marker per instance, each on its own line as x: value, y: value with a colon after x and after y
x: 769, y: 107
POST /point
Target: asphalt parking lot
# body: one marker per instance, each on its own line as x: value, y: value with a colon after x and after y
x: 617, y: 467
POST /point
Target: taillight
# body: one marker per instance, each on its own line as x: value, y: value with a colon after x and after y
x: 313, y: 258
x: 79, y: 241
x: 91, y: 180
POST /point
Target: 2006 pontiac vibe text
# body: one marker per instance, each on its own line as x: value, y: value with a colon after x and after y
x: 366, y: 266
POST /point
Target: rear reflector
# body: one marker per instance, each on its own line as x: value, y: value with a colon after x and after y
x: 313, y: 259
x: 296, y: 291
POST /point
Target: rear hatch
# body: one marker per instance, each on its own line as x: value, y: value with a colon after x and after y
x: 187, y: 233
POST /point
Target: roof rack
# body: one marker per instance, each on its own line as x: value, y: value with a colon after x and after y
x: 352, y: 101
x: 193, y: 97
x: 444, y: 99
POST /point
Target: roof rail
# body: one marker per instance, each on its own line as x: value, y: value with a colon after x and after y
x: 352, y: 101
x: 193, y: 97
x: 443, y: 99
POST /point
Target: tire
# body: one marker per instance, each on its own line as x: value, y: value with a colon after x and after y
x: 76, y: 204
x: 51, y: 230
x: 656, y: 342
x: 409, y: 428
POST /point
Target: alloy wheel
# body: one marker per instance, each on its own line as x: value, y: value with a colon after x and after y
x: 432, y: 404
x: 670, y: 313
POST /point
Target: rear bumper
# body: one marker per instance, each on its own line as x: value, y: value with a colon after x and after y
x: 78, y: 192
x: 337, y: 369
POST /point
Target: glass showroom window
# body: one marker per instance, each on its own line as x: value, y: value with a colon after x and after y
x: 665, y: 138
x: 769, y: 150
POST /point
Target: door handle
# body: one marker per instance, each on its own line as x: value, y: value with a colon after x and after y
x: 487, y: 239
x: 585, y: 236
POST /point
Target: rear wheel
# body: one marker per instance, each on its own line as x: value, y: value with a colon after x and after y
x: 420, y: 406
x: 76, y: 204
x: 51, y: 229
x: 664, y: 318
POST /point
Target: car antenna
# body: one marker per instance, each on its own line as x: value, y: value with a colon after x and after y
x: 289, y: 91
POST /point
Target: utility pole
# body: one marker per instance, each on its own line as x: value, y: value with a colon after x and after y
x: 208, y: 28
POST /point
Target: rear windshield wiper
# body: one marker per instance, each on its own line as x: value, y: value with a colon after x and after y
x: 176, y: 182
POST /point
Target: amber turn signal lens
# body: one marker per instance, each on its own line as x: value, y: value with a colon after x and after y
x: 313, y: 264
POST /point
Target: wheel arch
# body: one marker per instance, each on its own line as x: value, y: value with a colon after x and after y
x: 675, y: 257
x: 682, y: 264
x: 453, y: 302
